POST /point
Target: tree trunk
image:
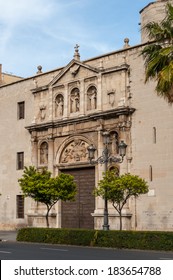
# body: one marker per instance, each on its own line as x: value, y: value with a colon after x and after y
x: 47, y: 217
x: 120, y: 220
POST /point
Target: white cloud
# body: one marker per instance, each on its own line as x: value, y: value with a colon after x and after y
x: 45, y: 31
x: 41, y: 15
x: 19, y: 14
x: 20, y: 11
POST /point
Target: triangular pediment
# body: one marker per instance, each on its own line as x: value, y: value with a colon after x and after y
x: 73, y: 70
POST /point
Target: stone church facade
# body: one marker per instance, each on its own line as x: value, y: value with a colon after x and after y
x: 50, y: 119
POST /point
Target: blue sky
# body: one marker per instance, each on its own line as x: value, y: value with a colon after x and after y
x: 44, y: 32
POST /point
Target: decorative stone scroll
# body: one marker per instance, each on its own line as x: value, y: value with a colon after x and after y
x: 74, y: 70
x: 75, y: 151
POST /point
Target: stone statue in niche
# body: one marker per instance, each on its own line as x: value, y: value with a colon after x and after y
x: 75, y: 151
x: 114, y: 143
x: 75, y: 100
x: 44, y: 153
x: 59, y: 102
x: 115, y: 169
x: 92, y: 98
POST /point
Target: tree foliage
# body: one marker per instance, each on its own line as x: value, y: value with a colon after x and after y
x: 118, y: 190
x: 46, y: 189
x: 159, y: 54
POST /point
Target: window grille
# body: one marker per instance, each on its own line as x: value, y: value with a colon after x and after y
x: 20, y: 206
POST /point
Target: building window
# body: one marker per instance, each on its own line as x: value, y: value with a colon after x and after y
x: 20, y: 160
x: 151, y: 173
x: 20, y: 206
x: 154, y: 135
x: 21, y: 110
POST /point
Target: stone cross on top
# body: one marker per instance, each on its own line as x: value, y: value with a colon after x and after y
x: 76, y: 53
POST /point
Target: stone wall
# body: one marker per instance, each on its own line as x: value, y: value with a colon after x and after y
x: 154, y: 11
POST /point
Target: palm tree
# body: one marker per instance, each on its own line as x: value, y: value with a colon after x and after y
x: 158, y: 54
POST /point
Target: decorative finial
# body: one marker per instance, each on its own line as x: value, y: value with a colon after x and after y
x: 126, y: 41
x: 76, y: 53
x: 39, y: 69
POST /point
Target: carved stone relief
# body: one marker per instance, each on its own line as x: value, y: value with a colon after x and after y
x: 92, y: 98
x: 59, y: 105
x: 75, y: 151
x: 74, y: 101
x: 111, y: 97
x: 74, y: 70
x: 42, y: 112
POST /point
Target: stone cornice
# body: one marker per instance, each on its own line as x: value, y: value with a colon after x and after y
x: 115, y: 113
x: 123, y: 67
x: 38, y: 89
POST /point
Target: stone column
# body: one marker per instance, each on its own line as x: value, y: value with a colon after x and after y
x: 99, y: 169
x: 82, y: 98
x: 51, y: 155
x: 99, y: 93
x: 50, y: 104
x: 66, y: 102
x: 34, y: 151
x: 124, y: 164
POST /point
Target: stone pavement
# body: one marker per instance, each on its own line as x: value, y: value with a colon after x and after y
x: 8, y: 235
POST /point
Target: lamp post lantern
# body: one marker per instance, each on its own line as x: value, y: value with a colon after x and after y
x: 105, y: 159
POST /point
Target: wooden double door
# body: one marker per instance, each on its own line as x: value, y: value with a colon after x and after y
x: 77, y: 214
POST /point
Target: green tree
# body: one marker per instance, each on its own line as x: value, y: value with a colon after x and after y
x: 45, y: 189
x: 118, y: 189
x: 158, y: 54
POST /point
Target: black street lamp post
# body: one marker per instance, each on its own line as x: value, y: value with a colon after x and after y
x: 106, y: 158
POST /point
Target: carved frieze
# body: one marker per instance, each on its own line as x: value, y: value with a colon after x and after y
x: 75, y: 151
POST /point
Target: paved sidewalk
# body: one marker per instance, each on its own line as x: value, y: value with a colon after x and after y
x: 8, y: 235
